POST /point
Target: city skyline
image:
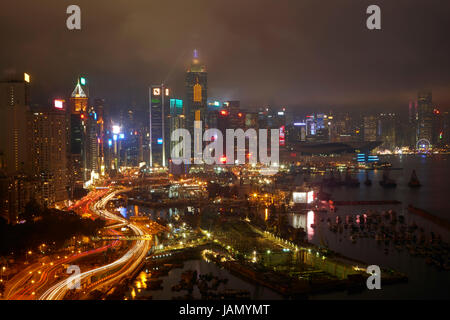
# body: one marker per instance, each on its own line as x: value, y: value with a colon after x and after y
x: 272, y: 151
x: 283, y: 59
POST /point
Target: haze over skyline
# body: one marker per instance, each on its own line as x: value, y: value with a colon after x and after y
x: 303, y: 54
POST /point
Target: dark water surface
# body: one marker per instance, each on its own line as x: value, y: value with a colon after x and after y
x: 425, y: 281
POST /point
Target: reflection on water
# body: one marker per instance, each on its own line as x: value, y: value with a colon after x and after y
x: 153, y: 213
x: 425, y: 281
x: 432, y: 171
x: 304, y: 221
x: 202, y: 267
x: 310, y: 221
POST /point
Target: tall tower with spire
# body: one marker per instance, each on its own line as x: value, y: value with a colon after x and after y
x: 196, y: 93
x: 78, y: 139
x: 78, y: 99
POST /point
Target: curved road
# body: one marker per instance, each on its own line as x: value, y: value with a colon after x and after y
x: 133, y: 258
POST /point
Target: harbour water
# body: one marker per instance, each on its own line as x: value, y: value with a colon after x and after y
x: 256, y: 292
x: 425, y: 281
x: 433, y: 172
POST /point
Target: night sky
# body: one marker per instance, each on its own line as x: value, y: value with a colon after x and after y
x: 305, y: 54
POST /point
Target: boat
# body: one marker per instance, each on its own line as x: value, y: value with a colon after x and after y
x: 367, y: 182
x: 387, y: 182
x: 414, y: 181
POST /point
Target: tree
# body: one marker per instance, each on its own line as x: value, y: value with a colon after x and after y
x: 32, y: 210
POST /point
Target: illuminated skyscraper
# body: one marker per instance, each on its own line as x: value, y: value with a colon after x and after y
x: 387, y: 124
x: 79, y: 99
x: 99, y: 109
x: 176, y: 121
x: 15, y: 133
x: 77, y: 142
x: 196, y: 94
x: 17, y: 184
x: 159, y: 125
x: 370, y: 128
x: 49, y: 153
x: 425, y: 117
x: 92, y: 141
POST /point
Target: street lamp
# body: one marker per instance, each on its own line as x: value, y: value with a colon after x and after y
x: 3, y: 270
x: 27, y: 254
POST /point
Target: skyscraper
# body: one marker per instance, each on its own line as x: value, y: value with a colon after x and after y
x: 387, y: 123
x: 49, y: 153
x: 99, y: 109
x: 159, y: 125
x: 370, y: 128
x: 92, y: 141
x: 77, y: 142
x: 15, y: 117
x: 176, y: 121
x: 196, y: 94
x: 425, y: 117
x: 17, y: 184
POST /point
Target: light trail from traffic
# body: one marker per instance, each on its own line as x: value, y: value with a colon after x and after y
x: 132, y: 257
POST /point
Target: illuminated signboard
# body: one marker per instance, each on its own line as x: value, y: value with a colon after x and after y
x: 160, y: 141
x: 299, y: 197
x: 303, y: 197
x: 156, y: 91
x: 59, y: 104
x: 116, y: 129
x: 363, y: 157
x: 83, y: 81
x: 26, y: 77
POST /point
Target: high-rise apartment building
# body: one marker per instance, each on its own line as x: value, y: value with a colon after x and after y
x: 50, y: 133
x: 15, y: 133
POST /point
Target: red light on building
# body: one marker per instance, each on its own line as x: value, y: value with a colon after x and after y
x: 240, y: 115
x: 282, y: 136
x: 223, y: 159
x: 436, y: 111
x: 82, y: 116
x: 224, y: 112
